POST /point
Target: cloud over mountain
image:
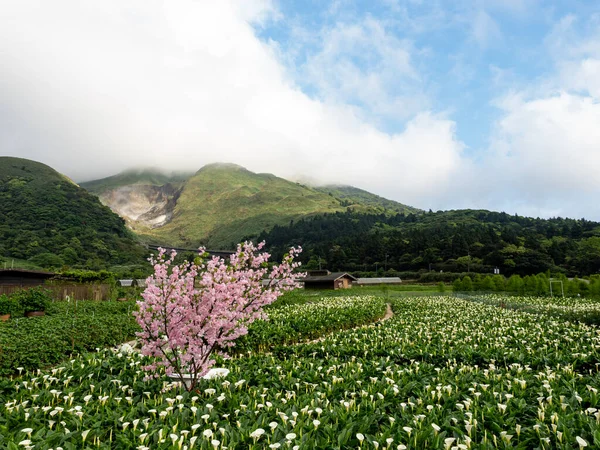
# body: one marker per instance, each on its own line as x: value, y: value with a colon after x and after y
x: 362, y: 98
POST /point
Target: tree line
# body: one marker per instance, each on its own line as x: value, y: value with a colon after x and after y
x: 445, y: 241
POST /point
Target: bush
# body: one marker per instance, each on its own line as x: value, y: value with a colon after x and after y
x: 34, y: 299
x: 7, y: 305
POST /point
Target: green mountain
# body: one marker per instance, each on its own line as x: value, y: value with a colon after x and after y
x: 447, y: 241
x: 360, y: 200
x: 222, y: 204
x: 51, y: 222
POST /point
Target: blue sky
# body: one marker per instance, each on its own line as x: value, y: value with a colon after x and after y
x: 463, y: 55
x: 489, y: 104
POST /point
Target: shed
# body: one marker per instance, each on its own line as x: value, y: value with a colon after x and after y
x: 132, y: 283
x: 12, y: 280
x: 327, y: 280
x: 378, y: 281
x: 22, y: 277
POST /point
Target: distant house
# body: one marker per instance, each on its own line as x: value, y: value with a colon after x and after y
x: 323, y: 279
x: 378, y: 281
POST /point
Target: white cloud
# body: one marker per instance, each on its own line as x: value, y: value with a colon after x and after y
x: 551, y: 144
x: 91, y: 88
x: 363, y: 64
x: 577, y: 57
x: 545, y: 151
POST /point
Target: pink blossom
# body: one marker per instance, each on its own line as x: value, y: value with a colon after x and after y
x: 192, y: 310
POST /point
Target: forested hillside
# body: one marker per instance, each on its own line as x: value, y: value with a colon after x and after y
x: 451, y: 241
x: 51, y: 222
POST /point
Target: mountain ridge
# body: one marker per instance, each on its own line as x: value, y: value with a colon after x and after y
x: 198, y: 210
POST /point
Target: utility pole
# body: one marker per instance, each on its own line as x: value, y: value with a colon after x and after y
x: 386, y: 256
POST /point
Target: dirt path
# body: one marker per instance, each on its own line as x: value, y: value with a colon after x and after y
x: 388, y: 313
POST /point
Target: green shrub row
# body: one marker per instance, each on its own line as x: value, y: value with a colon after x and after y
x: 25, y: 300
x: 530, y: 285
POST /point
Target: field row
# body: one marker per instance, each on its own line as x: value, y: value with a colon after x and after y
x: 567, y: 308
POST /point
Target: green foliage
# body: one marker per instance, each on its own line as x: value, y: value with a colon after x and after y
x: 51, y: 222
x: 86, y: 276
x: 32, y: 299
x: 48, y: 260
x: 300, y: 322
x: 146, y: 176
x: 222, y: 204
x: 443, y: 242
x: 533, y: 285
x: 457, y: 285
x: 467, y: 284
x: 567, y: 309
x: 8, y: 305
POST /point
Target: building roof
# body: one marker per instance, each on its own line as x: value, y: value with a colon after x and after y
x: 130, y: 283
x: 329, y: 277
x: 381, y: 280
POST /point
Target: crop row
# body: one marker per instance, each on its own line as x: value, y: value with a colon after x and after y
x: 68, y: 328
x: 291, y: 324
x: 438, y: 329
x: 567, y: 308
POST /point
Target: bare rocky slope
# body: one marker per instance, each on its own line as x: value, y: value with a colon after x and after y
x: 148, y: 205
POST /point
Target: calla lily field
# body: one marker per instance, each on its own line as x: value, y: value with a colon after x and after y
x: 444, y: 372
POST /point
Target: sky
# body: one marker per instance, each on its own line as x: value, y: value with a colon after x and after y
x: 439, y: 104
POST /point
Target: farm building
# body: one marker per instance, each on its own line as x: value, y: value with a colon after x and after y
x: 323, y: 279
x: 132, y: 283
x: 13, y: 280
x: 378, y: 281
x: 21, y: 277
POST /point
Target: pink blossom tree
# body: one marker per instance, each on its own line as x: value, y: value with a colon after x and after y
x: 194, y: 310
